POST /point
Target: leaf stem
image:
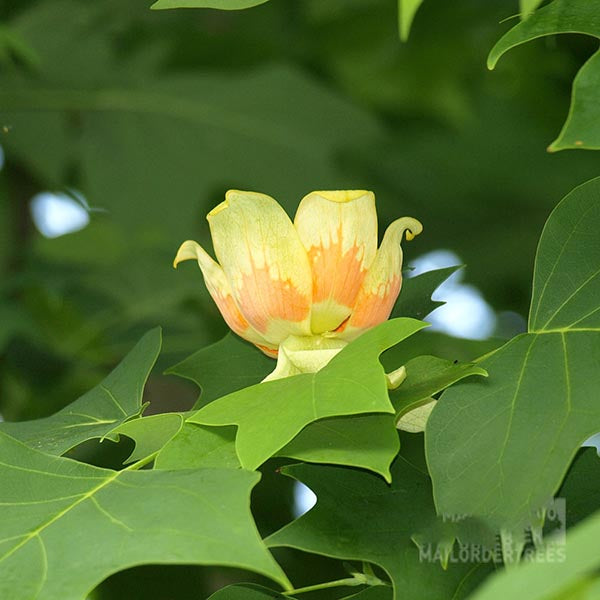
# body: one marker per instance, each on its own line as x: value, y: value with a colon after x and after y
x: 349, y: 581
x: 357, y: 579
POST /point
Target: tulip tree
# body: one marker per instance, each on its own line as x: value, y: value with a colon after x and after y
x: 405, y: 511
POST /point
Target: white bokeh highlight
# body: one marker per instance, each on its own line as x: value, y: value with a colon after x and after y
x: 466, y: 314
x: 56, y: 214
x: 304, y: 499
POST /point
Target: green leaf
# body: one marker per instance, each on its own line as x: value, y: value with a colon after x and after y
x: 415, y: 297
x: 528, y: 6
x: 548, y: 576
x: 426, y: 376
x: 100, y: 411
x: 229, y: 365
x: 270, y: 414
x: 363, y: 441
x: 566, y: 282
x: 246, y: 591
x: 406, y: 13
x: 582, y: 127
x: 360, y: 517
x: 198, y: 446
x: 150, y: 433
x: 220, y: 4
x: 581, y: 487
x: 499, y: 448
x: 58, y: 512
x: 376, y: 592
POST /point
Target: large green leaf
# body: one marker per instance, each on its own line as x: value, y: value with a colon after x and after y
x: 66, y: 526
x: 552, y: 575
x: 270, y: 414
x: 582, y: 127
x: 499, y: 448
x: 227, y: 366
x: 360, y: 517
x: 98, y: 413
x: 199, y: 446
x: 364, y: 441
x: 220, y: 4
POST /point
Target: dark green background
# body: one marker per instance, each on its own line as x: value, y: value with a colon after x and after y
x: 152, y: 115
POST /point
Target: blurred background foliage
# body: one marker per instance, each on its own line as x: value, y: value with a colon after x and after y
x: 143, y: 119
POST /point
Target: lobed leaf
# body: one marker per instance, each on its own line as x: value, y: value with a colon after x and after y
x: 499, y: 448
x: 582, y: 127
x: 360, y: 517
x: 99, y: 412
x: 269, y: 415
x: 53, y: 508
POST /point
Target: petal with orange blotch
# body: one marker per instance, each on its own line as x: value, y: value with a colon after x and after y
x: 339, y: 231
x: 265, y: 264
x: 382, y: 283
x: 220, y: 290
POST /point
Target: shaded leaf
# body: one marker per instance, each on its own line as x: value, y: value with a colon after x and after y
x: 270, y: 414
x: 229, y: 365
x: 100, y: 411
x: 581, y: 487
x: 415, y: 297
x: 246, y: 591
x: 582, y: 127
x: 54, y: 507
x: 220, y: 4
x: 373, y: 521
x: 499, y: 448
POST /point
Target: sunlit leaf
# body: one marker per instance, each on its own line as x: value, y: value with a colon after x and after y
x: 528, y: 6
x: 200, y: 446
x: 270, y: 414
x: 66, y: 526
x: 363, y: 441
x: 150, y: 433
x: 407, y: 10
x: 98, y: 413
x: 514, y: 434
x: 582, y: 127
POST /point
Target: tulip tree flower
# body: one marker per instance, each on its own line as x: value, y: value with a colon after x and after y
x: 302, y: 291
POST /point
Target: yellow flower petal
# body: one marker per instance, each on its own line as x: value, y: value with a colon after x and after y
x: 339, y: 231
x: 220, y: 290
x: 265, y: 264
x: 382, y: 283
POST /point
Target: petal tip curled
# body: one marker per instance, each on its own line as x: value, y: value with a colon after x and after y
x: 187, y: 251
